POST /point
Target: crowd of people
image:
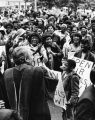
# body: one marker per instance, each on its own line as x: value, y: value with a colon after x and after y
x: 34, y: 41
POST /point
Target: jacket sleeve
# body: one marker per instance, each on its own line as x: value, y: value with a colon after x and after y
x: 74, y: 89
x: 84, y: 110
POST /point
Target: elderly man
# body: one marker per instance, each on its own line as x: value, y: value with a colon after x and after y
x: 26, y: 88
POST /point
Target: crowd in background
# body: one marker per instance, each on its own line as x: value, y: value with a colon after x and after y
x: 43, y: 38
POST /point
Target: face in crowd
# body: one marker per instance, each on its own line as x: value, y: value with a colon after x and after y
x: 50, y: 29
x: 40, y: 31
x: 76, y: 40
x: 74, y: 30
x: 83, y: 31
x: 9, y: 29
x: 48, y: 41
x: 34, y: 40
x: 85, y: 44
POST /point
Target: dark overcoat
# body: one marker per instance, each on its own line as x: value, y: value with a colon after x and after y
x: 26, y: 92
x: 85, y: 109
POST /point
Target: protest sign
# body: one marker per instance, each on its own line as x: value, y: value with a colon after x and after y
x: 83, y: 68
x: 60, y: 97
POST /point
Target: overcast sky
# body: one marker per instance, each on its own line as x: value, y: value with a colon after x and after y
x: 4, y: 2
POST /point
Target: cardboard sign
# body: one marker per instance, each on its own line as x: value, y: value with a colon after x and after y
x: 83, y: 68
x: 60, y: 97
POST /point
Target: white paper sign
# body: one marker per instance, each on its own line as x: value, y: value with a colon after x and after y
x: 60, y: 97
x: 83, y: 68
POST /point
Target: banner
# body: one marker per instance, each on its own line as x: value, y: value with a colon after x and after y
x: 83, y: 68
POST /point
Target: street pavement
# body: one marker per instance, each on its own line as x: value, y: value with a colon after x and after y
x: 56, y: 112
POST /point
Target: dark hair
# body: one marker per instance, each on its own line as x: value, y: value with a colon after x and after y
x: 76, y: 35
x: 92, y: 76
x: 71, y: 64
x: 46, y: 35
x: 51, y: 18
x: 87, y: 40
x: 1, y: 23
x: 49, y: 26
x: 2, y: 32
x: 56, y: 37
x: 34, y: 34
x: 92, y: 21
x: 15, y: 21
x: 83, y: 26
x: 8, y: 24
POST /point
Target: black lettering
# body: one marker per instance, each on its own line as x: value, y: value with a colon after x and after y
x: 81, y: 71
x: 77, y: 70
x: 58, y: 101
x: 81, y: 63
x: 77, y: 60
x: 87, y: 65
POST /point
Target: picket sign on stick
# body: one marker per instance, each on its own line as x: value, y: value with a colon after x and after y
x: 83, y: 68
